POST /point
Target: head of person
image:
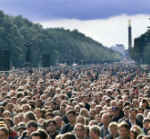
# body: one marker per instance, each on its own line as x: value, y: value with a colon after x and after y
x: 133, y: 113
x: 29, y: 116
x: 51, y: 126
x: 146, y: 123
x: 79, y: 130
x: 98, y: 108
x: 39, y: 134
x: 115, y: 111
x: 94, y: 132
x: 135, y: 102
x: 26, y: 107
x: 92, y: 122
x: 106, y: 119
x: 32, y: 126
x: 92, y: 113
x: 62, y: 108
x: 59, y: 121
x: 145, y: 103
x: 124, y: 130
x: 77, y: 108
x: 80, y: 119
x: 135, y: 131
x: 9, y: 122
x: 1, y: 110
x: 113, y: 128
x: 140, y: 136
x: 7, y: 114
x: 21, y: 128
x: 84, y: 112
x: 68, y: 136
x: 4, y: 133
x: 126, y: 110
x: 39, y: 113
x: 139, y: 119
x: 71, y: 115
x: 10, y: 106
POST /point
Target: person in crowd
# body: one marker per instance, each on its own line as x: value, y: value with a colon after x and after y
x: 106, y: 119
x: 31, y: 127
x: 79, y: 130
x: 146, y: 125
x: 135, y: 131
x: 113, y: 130
x: 4, y: 133
x: 71, y: 115
x: 68, y: 136
x: 28, y: 116
x: 102, y: 95
x: 59, y: 122
x: 51, y: 128
x: 94, y: 132
x: 124, y: 130
x: 39, y: 134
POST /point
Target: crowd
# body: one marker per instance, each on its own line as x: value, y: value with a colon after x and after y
x: 107, y: 101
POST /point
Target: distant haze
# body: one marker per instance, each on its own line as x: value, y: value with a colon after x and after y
x: 109, y: 31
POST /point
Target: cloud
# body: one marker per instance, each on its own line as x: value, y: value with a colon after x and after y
x: 104, y: 20
x: 76, y: 9
x: 108, y: 31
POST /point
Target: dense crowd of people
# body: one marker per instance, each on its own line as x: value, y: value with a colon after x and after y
x: 107, y: 101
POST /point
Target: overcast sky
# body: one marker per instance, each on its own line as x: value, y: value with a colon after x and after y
x: 104, y: 20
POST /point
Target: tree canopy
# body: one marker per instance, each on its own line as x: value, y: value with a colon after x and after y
x: 57, y: 43
x: 141, y: 50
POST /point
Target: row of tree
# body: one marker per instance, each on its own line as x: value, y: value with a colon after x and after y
x: 141, y: 50
x: 60, y: 44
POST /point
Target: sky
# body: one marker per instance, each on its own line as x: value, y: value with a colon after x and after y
x: 106, y: 21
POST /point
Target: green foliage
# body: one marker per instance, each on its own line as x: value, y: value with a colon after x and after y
x: 147, y: 54
x: 62, y: 45
x: 141, y: 51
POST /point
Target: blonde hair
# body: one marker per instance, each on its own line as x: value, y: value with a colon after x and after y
x: 58, y: 136
x: 112, y: 124
x: 68, y: 135
x: 137, y: 129
x: 79, y: 125
x: 95, y: 129
x: 84, y: 112
x: 80, y: 119
x: 124, y: 124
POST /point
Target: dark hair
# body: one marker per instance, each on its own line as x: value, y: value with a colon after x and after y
x: 71, y: 112
x: 30, y: 115
x: 32, y: 124
x: 41, y: 133
x: 11, y: 123
x: 51, y: 121
x: 145, y: 101
x: 146, y: 120
x: 19, y: 95
x: 1, y: 109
